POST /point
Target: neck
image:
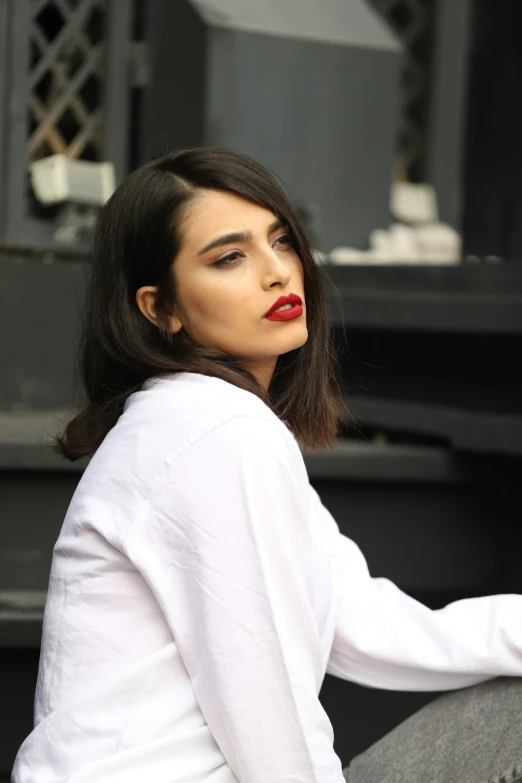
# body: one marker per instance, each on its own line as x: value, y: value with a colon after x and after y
x: 262, y: 370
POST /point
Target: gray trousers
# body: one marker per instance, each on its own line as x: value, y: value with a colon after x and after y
x: 472, y: 735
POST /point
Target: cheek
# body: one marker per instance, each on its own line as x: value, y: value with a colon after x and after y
x: 214, y: 304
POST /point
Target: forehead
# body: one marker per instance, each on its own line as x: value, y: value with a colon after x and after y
x: 214, y: 212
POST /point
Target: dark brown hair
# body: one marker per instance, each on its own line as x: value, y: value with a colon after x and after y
x: 136, y: 241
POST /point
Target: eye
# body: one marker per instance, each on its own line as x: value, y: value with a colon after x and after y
x: 287, y: 240
x: 229, y: 260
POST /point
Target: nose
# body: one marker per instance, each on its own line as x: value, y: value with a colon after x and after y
x: 275, y: 270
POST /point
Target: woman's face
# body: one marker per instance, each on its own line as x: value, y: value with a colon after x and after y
x: 236, y: 259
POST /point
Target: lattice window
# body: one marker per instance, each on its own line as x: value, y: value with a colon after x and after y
x: 67, y: 61
x: 64, y: 88
x: 412, y: 21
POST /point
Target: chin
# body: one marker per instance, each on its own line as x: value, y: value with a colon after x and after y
x: 297, y: 342
x: 303, y: 336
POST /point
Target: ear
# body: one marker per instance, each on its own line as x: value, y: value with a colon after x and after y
x: 146, y: 301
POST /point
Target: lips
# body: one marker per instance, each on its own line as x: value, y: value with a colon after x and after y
x: 288, y: 299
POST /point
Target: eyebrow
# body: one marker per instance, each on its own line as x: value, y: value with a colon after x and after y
x: 238, y: 236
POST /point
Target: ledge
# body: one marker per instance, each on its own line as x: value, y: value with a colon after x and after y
x: 467, y: 430
x: 468, y: 298
x: 377, y: 462
x: 21, y: 617
x: 26, y: 441
x: 25, y: 444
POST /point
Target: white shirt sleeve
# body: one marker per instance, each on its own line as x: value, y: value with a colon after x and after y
x: 226, y: 548
x: 386, y: 639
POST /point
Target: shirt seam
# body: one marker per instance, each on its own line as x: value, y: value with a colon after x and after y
x: 169, y: 461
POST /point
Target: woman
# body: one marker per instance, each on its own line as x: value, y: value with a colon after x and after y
x: 199, y: 589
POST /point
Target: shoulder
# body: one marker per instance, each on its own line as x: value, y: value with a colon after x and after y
x: 187, y: 433
x: 190, y: 404
x: 169, y: 415
x: 244, y: 473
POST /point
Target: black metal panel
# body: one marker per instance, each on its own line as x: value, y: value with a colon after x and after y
x: 447, y: 112
x: 39, y: 319
x: 423, y: 537
x: 464, y: 390
x: 493, y: 142
x: 18, y: 672
x: 32, y: 510
x: 4, y: 83
x: 173, y: 108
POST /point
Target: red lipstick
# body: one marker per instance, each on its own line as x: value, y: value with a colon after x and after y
x: 289, y: 313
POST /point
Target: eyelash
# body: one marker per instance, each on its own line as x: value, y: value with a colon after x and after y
x: 288, y: 240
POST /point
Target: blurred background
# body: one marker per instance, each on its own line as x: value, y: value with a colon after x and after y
x: 396, y: 126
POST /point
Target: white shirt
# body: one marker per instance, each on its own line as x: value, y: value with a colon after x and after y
x: 200, y: 590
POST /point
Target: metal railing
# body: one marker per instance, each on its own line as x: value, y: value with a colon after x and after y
x: 413, y: 23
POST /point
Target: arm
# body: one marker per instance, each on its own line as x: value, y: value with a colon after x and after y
x: 227, y: 550
x: 386, y: 639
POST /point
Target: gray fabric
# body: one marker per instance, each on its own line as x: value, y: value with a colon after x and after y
x: 467, y: 736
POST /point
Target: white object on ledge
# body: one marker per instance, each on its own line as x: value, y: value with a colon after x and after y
x: 414, y: 203
x: 438, y: 242
x: 435, y: 243
x: 58, y: 178
x: 416, y: 236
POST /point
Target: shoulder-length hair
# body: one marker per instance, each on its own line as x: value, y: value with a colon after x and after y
x: 136, y: 241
